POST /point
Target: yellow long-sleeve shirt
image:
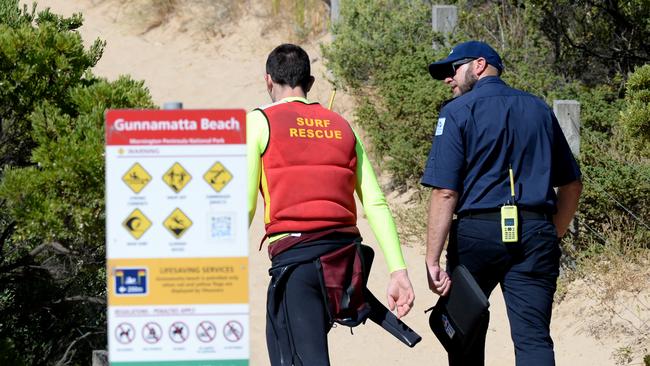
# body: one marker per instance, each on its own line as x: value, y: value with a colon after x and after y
x: 367, y: 188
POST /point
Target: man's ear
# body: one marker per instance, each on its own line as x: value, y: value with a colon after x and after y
x: 269, y: 82
x: 480, y: 66
x: 310, y: 84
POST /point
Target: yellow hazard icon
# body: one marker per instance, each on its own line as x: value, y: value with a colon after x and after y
x: 177, y: 177
x: 136, y: 223
x: 217, y: 177
x: 136, y: 178
x: 177, y: 223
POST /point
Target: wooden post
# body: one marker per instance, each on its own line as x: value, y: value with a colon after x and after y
x: 444, y: 18
x: 568, y: 115
x: 172, y: 105
x: 100, y: 358
x: 334, y: 11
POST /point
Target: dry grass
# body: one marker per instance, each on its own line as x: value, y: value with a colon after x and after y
x: 411, y: 209
x: 615, y: 277
x: 610, y: 312
x: 302, y: 19
x: 209, y: 18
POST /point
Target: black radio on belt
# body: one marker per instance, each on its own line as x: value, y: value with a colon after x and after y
x: 509, y: 222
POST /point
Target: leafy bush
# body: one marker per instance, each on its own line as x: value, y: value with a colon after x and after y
x: 381, y: 51
x: 36, y: 63
x: 594, y: 41
x: 52, y: 255
x: 635, y: 118
x: 510, y: 28
x: 58, y: 243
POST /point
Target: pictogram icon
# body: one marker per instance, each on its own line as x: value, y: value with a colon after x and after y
x: 136, y: 178
x: 206, y: 331
x: 152, y: 332
x: 130, y: 281
x: 136, y: 223
x: 177, y: 223
x: 217, y: 176
x: 233, y: 331
x: 179, y: 332
x: 125, y: 333
x: 177, y: 177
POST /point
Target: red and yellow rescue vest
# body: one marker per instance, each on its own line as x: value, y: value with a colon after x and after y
x: 308, y: 169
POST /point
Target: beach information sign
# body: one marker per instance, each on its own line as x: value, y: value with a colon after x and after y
x: 177, y: 237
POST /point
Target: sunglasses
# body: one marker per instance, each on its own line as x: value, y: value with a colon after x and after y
x: 457, y: 64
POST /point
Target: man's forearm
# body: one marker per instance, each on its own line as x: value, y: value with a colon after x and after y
x: 441, y: 211
x: 567, y: 204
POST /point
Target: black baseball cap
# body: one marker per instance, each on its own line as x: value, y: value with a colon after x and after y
x: 472, y: 49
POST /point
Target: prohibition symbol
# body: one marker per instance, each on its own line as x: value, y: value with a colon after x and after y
x: 177, y: 177
x: 136, y: 223
x: 206, y: 331
x: 152, y: 332
x: 125, y: 333
x: 217, y: 176
x: 179, y: 332
x: 136, y: 178
x: 233, y: 331
x: 177, y: 223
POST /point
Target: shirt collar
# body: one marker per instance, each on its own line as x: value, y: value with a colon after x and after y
x: 295, y: 99
x: 488, y: 80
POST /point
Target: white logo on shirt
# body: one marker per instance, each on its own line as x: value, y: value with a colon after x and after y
x: 440, y: 126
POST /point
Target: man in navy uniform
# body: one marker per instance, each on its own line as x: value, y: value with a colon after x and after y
x: 486, y: 131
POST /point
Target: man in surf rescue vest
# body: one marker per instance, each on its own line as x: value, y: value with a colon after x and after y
x: 307, y: 162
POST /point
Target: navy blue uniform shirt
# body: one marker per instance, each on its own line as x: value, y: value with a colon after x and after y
x: 484, y: 131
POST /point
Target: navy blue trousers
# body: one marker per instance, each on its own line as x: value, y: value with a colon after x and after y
x: 527, y: 272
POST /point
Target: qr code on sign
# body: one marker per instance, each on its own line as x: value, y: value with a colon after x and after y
x: 221, y: 227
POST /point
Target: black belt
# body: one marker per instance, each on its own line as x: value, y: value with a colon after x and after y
x: 496, y: 215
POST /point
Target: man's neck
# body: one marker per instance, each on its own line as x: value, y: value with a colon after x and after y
x: 281, y: 92
x: 489, y: 71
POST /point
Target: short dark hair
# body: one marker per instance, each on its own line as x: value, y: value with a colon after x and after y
x: 288, y: 64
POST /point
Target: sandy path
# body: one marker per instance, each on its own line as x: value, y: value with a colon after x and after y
x: 227, y: 73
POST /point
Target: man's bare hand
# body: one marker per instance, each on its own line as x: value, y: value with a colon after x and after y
x: 439, y: 281
x: 400, y: 293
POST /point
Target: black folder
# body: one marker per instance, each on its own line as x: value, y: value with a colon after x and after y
x: 457, y: 318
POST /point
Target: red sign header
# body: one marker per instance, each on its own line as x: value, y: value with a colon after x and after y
x: 175, y: 127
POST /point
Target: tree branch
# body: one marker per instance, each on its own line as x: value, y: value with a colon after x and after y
x: 6, y: 233
x: 63, y: 361
x: 57, y: 247
x: 28, y: 259
x: 79, y: 298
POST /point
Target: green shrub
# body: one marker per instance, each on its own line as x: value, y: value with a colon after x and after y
x: 58, y: 211
x: 381, y: 51
x: 37, y: 62
x: 594, y: 41
x: 52, y: 254
x: 635, y: 118
x: 509, y: 27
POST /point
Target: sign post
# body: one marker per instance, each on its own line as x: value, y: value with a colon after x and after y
x: 177, y: 237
